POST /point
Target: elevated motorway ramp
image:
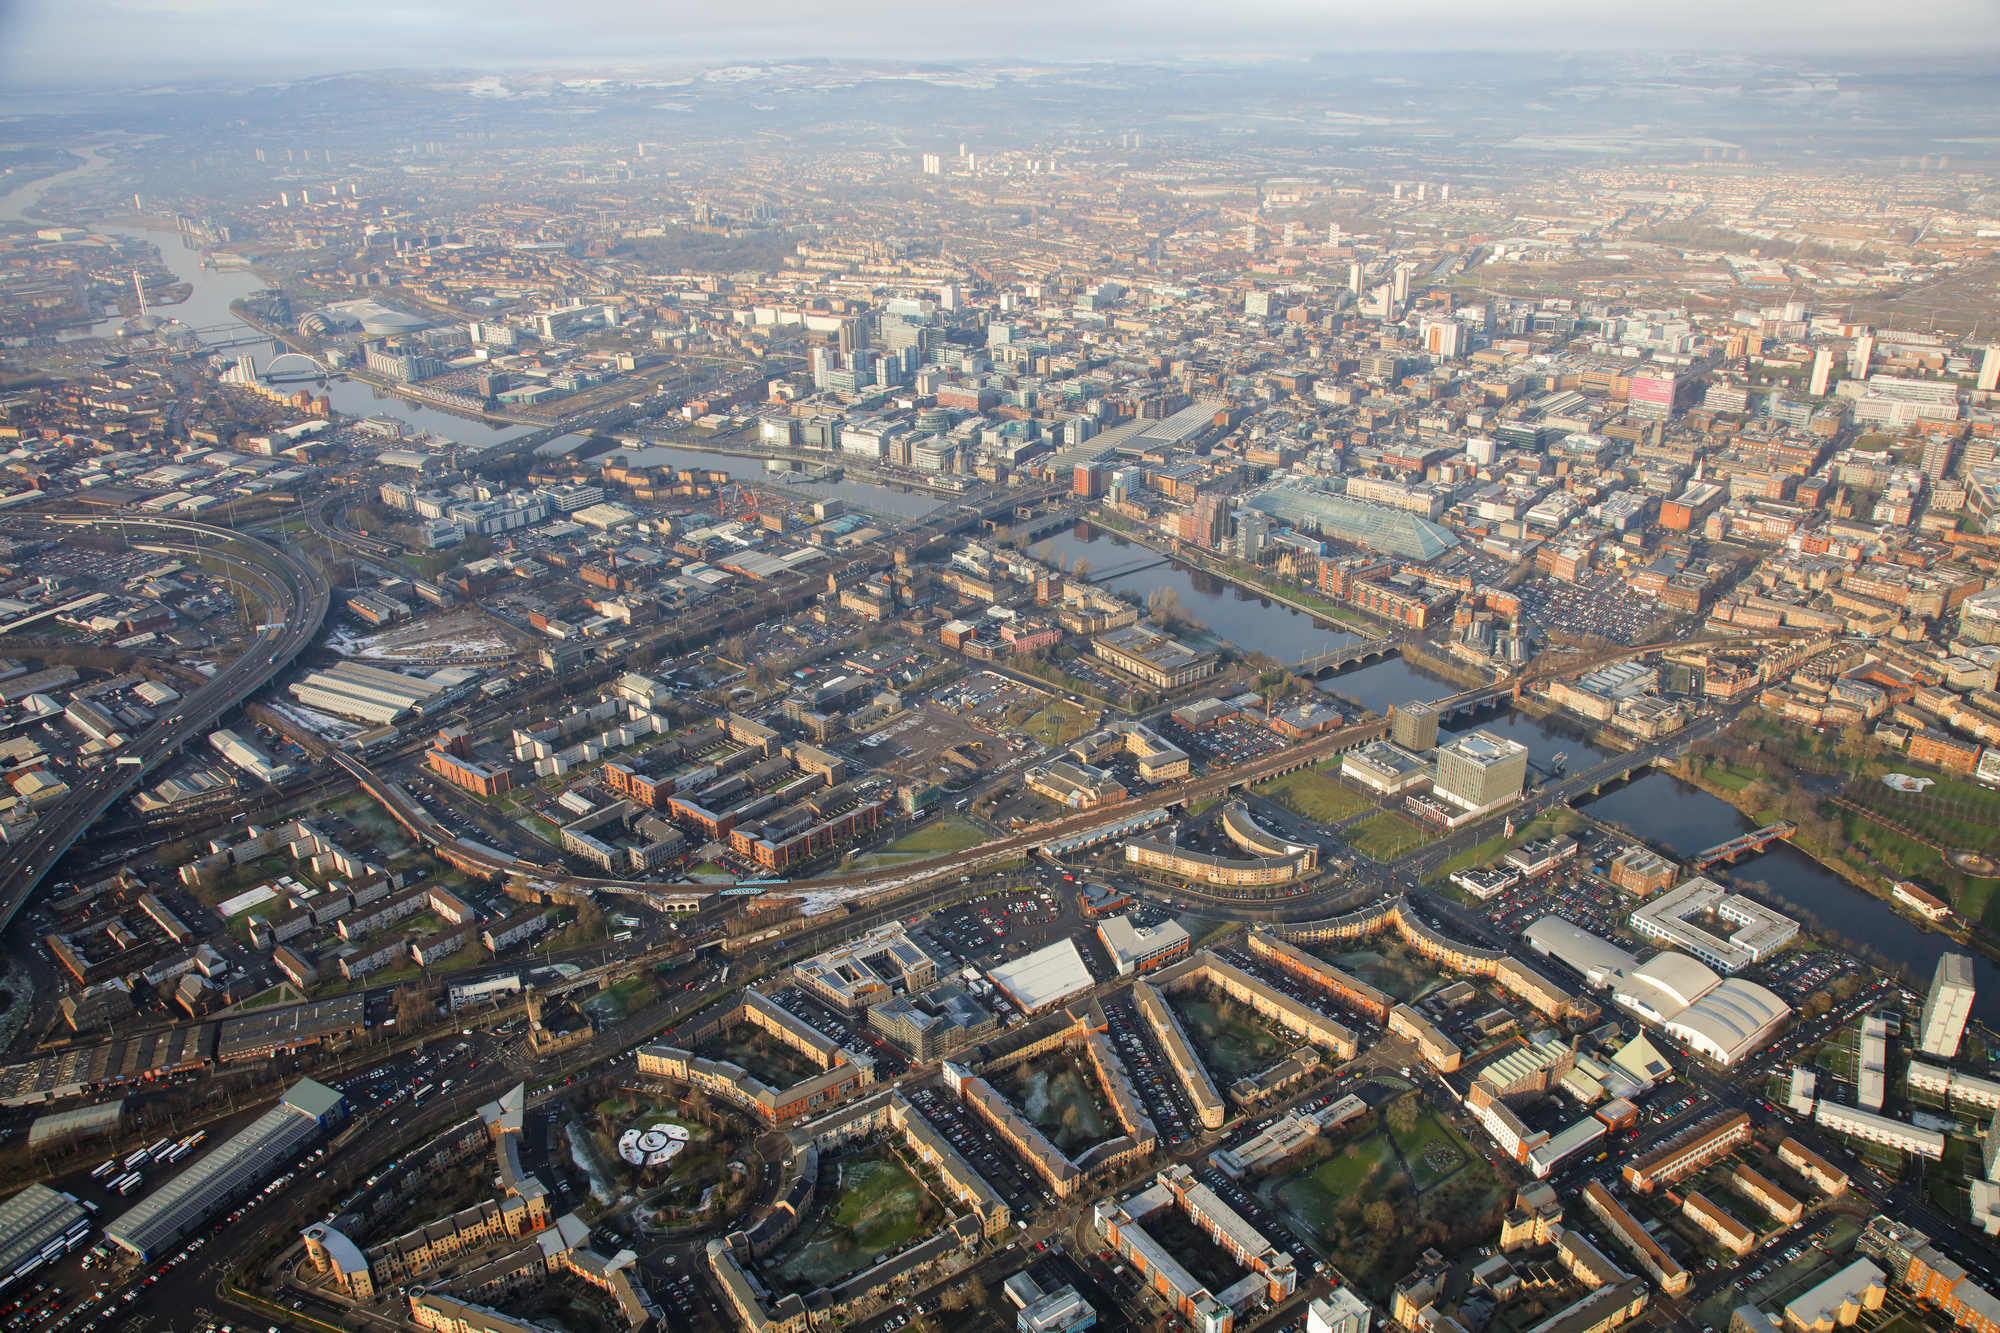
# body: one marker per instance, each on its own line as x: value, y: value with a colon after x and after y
x: 300, y: 597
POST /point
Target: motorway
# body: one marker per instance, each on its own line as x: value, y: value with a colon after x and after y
x: 286, y: 576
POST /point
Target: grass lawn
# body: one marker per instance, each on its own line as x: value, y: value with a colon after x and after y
x: 1484, y: 853
x: 1313, y: 794
x: 541, y: 828
x: 1058, y: 724
x: 279, y: 994
x: 1432, y: 1150
x: 710, y: 870
x: 1349, y: 1173
x: 1386, y: 836
x: 881, y: 1207
x: 950, y: 834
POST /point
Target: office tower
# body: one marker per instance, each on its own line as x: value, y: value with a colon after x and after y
x: 1947, y: 1007
x: 1291, y: 235
x: 1354, y: 278
x: 1211, y: 519
x: 1989, y: 368
x: 1385, y: 303
x: 1250, y: 237
x: 1088, y: 480
x: 1481, y: 770
x: 1864, y: 352
x: 1414, y: 726
x: 1444, y: 338
x: 1937, y: 456
x: 933, y: 165
x: 1333, y: 233
x: 1821, y: 371
x: 950, y: 296
x: 1402, y: 283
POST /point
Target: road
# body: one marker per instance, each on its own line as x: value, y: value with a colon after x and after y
x: 306, y: 596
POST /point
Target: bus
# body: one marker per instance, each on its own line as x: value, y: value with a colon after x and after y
x: 135, y: 1159
x: 159, y: 1150
x: 125, y: 1184
x: 105, y: 1170
x: 417, y: 1097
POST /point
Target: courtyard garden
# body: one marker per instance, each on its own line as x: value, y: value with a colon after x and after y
x: 877, y: 1207
x: 1059, y: 1093
x: 1231, y: 1038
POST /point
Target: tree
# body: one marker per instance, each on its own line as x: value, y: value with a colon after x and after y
x: 1380, y: 1219
x: 413, y: 1008
x: 1402, y: 1115
x: 1082, y: 571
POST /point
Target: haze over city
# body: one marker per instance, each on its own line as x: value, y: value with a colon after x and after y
x: 1154, y: 669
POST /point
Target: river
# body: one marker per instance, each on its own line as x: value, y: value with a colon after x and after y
x: 1684, y: 819
x: 1657, y: 807
x: 208, y: 305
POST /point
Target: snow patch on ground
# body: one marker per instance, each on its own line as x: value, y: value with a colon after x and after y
x: 600, y: 1189
x: 417, y: 652
x: 324, y: 724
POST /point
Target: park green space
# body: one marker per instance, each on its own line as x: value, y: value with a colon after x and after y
x: 1386, y: 837
x: 1313, y: 793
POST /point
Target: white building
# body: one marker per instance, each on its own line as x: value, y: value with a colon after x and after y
x: 1339, y: 1311
x: 1872, y: 1128
x: 1760, y: 931
x: 1947, y: 1007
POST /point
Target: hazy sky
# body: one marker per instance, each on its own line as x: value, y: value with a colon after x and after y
x: 166, y: 40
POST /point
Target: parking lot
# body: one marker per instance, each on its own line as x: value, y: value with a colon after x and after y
x: 1594, y: 907
x: 1234, y: 740
x: 1599, y: 604
x: 1152, y: 1079
x: 991, y: 1158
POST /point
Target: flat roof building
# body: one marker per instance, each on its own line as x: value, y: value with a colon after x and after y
x: 1947, y: 1007
x: 1481, y: 771
x: 29, y: 1221
x: 1141, y: 948
x: 255, y: 1154
x: 1385, y: 767
x: 865, y: 971
x: 1672, y: 918
x: 1046, y: 977
x: 1872, y: 1128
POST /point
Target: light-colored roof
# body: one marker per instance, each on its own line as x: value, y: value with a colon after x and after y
x: 1679, y: 977
x: 1597, y: 960
x: 1730, y: 1020
x: 1044, y: 977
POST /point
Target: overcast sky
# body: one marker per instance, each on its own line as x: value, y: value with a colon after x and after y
x: 166, y: 40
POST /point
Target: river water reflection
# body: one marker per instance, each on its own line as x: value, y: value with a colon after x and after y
x: 1685, y: 819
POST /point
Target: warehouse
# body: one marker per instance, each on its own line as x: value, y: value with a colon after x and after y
x: 29, y: 1221
x: 373, y: 694
x: 1043, y: 978
x: 238, y: 1166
